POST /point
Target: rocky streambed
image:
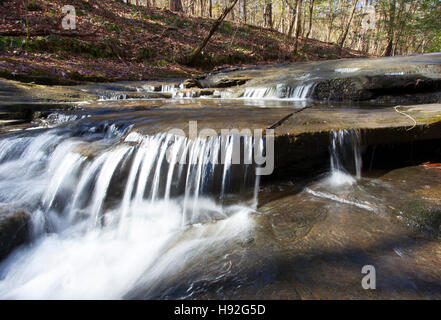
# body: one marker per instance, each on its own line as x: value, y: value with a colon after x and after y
x: 87, y: 169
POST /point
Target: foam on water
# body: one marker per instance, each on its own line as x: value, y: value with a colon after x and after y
x: 300, y: 92
x: 345, y: 157
x: 110, y: 210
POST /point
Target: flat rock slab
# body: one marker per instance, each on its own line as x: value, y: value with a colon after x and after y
x: 156, y: 116
x: 326, y: 243
x: 319, y: 120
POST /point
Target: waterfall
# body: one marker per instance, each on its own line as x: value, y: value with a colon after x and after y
x: 281, y: 91
x: 345, y: 156
x: 111, y: 205
x: 143, y: 168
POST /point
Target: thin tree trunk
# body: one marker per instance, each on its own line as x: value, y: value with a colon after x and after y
x: 298, y: 24
x: 268, y: 14
x: 391, y: 30
x: 25, y: 5
x: 294, y: 17
x: 331, y: 21
x: 345, y: 34
x: 202, y: 8
x: 176, y: 5
x: 244, y: 10
x: 192, y: 57
x: 311, y: 11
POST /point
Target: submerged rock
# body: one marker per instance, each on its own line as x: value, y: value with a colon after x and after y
x: 13, y: 229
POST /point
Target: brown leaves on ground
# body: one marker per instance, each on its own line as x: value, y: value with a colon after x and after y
x: 127, y: 42
x: 429, y: 165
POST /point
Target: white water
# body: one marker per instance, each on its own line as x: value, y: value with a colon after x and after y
x: 299, y: 93
x: 346, y: 165
x: 345, y: 157
x: 347, y: 70
x: 110, y: 214
x: 333, y: 197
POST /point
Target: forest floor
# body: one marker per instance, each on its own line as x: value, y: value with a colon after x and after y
x: 114, y: 41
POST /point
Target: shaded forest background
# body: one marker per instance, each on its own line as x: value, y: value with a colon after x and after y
x: 146, y: 39
x: 375, y: 27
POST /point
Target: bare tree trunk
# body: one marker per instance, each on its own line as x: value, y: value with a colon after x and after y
x: 331, y: 21
x: 202, y: 7
x: 345, y: 34
x: 298, y: 24
x: 294, y: 17
x: 391, y: 29
x: 210, y: 9
x: 268, y: 14
x: 176, y: 5
x: 192, y: 57
x: 25, y: 5
x: 244, y: 10
x: 311, y: 11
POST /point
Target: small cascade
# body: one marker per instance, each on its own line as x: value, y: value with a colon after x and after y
x: 55, y: 119
x: 345, y: 156
x: 163, y: 88
x: 300, y: 92
x: 112, y: 96
x: 346, y: 70
x: 104, y: 201
x: 142, y: 169
x: 169, y: 89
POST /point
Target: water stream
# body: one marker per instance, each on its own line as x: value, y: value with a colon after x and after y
x: 122, y: 207
x: 109, y: 204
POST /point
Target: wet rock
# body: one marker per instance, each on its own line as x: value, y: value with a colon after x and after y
x: 383, y: 88
x: 323, y: 254
x: 292, y: 218
x: 341, y: 89
x: 411, y: 79
x: 224, y: 82
x: 190, y: 83
x: 194, y: 93
x: 13, y: 229
x: 416, y: 199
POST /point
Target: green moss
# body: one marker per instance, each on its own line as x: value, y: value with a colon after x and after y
x: 111, y: 27
x: 226, y: 27
x: 161, y: 63
x: 423, y: 218
x: 144, y: 54
x: 90, y: 78
x: 33, y: 6
x: 55, y: 44
x: 5, y: 74
x: 39, y: 72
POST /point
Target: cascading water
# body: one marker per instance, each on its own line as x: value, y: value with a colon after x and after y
x: 281, y: 91
x: 108, y: 206
x: 345, y: 157
x: 345, y: 170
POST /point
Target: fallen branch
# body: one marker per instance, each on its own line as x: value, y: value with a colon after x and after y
x: 279, y: 122
x: 195, y: 53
